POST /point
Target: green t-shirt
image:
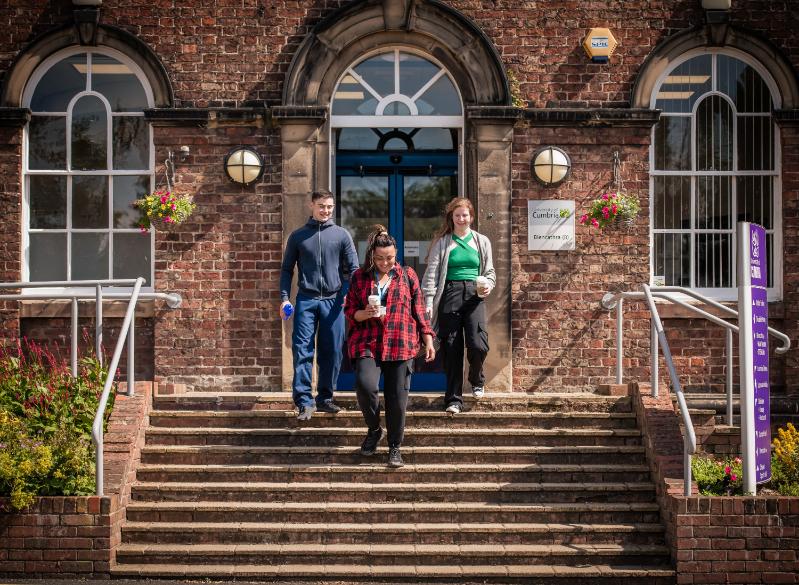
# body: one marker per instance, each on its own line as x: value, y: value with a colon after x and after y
x: 464, y: 261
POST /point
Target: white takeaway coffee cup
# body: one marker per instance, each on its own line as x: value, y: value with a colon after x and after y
x: 481, y: 282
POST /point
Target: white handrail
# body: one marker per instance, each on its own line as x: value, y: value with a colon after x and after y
x: 658, y: 338
x: 689, y: 438
x: 97, y: 427
x: 173, y: 300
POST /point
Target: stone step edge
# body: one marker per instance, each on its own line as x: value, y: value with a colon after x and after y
x: 390, y: 528
x: 277, y: 396
x: 408, y: 468
x: 323, y: 431
x: 442, y: 449
x: 383, y: 487
x: 392, y: 571
x: 486, y: 507
x: 409, y: 415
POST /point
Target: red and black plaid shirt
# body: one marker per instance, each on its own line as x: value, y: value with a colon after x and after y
x: 395, y: 337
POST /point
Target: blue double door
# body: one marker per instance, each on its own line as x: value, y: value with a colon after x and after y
x: 407, y: 193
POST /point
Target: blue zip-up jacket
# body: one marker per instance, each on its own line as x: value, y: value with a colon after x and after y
x: 325, y: 255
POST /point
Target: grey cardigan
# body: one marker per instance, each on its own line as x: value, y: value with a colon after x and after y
x: 436, y: 273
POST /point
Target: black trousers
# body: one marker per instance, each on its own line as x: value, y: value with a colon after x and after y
x: 395, y: 394
x: 462, y: 320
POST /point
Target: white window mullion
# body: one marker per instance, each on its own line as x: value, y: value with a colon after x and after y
x: 69, y: 227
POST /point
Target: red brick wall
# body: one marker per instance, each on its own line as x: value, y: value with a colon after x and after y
x: 224, y: 262
x: 10, y: 234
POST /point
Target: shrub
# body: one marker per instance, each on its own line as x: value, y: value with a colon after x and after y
x: 717, y: 478
x: 785, y: 461
x: 47, y: 415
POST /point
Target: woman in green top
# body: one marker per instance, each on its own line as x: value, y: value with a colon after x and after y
x: 459, y: 275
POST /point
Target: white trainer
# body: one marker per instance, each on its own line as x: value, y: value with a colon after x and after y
x: 478, y: 391
x: 454, y: 408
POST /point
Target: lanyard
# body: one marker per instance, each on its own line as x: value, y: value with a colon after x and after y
x: 382, y: 290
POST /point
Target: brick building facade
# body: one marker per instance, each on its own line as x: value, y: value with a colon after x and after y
x: 266, y: 75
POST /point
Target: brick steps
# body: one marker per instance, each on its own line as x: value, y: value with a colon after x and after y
x: 330, y: 436
x: 518, y: 489
x: 375, y: 512
x: 421, y: 419
x: 600, y: 574
x: 395, y: 492
x: 388, y: 553
x: 347, y: 455
x: 378, y: 472
x: 491, y: 402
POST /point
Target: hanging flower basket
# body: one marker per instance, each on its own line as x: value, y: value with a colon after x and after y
x: 164, y: 210
x: 616, y: 209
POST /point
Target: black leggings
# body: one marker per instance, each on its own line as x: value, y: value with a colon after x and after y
x: 395, y: 394
x: 461, y: 318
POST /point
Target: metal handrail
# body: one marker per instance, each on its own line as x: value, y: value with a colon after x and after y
x: 689, y: 438
x: 173, y: 300
x: 616, y: 300
x: 97, y: 427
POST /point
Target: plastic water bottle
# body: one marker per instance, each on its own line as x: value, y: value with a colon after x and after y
x: 287, y: 311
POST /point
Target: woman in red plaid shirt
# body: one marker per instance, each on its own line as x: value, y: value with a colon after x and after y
x: 386, y: 315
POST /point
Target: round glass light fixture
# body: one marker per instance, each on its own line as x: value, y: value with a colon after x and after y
x: 244, y: 165
x: 551, y: 165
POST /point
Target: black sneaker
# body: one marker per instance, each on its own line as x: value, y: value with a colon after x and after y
x: 394, y: 457
x: 369, y: 445
x: 328, y: 406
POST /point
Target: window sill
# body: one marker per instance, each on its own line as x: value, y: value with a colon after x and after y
x: 61, y: 309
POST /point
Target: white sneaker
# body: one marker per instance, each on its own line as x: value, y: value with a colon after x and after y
x: 454, y: 408
x: 478, y: 391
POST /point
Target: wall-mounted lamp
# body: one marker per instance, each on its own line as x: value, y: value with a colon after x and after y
x: 717, y: 20
x: 599, y: 44
x: 244, y: 165
x: 551, y: 166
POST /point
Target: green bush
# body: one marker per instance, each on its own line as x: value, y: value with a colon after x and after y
x: 46, y: 417
x: 717, y: 478
x: 785, y: 461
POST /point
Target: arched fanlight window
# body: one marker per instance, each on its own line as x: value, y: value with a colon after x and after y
x: 89, y: 156
x: 714, y: 162
x: 396, y: 85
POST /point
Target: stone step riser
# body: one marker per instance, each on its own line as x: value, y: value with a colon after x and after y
x: 377, y: 517
x: 416, y: 402
x: 354, y: 458
x: 187, y: 420
x: 475, y: 439
x: 202, y: 475
x: 367, y: 559
x: 141, y: 493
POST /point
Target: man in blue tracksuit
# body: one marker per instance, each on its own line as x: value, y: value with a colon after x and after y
x: 325, y: 256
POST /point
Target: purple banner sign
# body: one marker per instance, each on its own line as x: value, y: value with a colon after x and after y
x: 760, y: 368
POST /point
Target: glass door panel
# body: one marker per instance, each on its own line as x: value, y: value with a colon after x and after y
x: 363, y: 202
x: 424, y: 201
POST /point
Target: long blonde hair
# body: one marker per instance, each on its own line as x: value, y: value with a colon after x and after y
x: 378, y: 238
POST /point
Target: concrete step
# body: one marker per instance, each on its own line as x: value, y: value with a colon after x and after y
x: 372, y: 512
x: 542, y: 454
x: 504, y: 402
x: 374, y: 469
x: 574, y: 573
x: 339, y: 436
x: 497, y: 492
x: 419, y: 419
x: 387, y: 554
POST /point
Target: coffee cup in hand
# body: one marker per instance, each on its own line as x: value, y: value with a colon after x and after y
x: 481, y: 283
x: 374, y: 301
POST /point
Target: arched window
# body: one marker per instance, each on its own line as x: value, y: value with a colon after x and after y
x: 396, y: 88
x: 88, y: 156
x: 714, y: 162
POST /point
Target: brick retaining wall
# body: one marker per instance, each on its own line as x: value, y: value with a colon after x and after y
x: 76, y: 536
x: 715, y: 539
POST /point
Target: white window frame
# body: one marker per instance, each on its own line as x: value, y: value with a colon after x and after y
x: 407, y: 121
x: 110, y: 172
x: 729, y: 293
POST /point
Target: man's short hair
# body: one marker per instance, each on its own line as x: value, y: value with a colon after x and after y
x: 322, y: 194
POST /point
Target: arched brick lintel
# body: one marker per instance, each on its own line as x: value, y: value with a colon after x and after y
x: 366, y: 25
x: 762, y: 50
x: 107, y: 36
